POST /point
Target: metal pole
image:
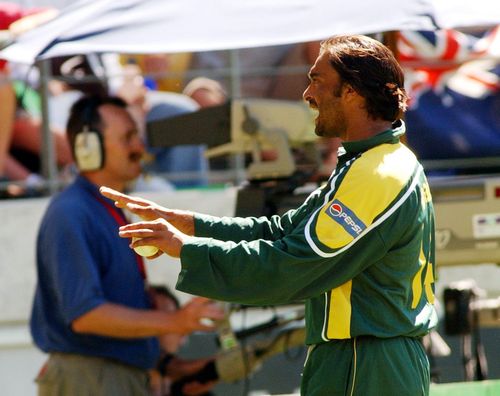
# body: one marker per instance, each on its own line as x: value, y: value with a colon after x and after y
x: 235, y: 81
x: 47, y: 155
x: 235, y: 70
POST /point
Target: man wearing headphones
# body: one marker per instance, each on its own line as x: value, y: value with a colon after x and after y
x: 91, y: 310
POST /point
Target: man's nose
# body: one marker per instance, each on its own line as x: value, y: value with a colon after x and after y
x: 306, y: 95
x: 138, y: 144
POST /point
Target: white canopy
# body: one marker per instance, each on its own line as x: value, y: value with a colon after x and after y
x: 149, y: 26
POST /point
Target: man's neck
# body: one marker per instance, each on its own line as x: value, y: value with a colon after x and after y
x: 101, y: 179
x: 364, y: 128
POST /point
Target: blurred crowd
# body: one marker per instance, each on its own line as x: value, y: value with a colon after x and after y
x: 155, y: 86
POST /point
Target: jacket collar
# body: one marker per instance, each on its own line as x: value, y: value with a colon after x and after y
x: 390, y: 136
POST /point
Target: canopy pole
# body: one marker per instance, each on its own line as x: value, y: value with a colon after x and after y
x: 47, y: 154
x: 235, y: 67
x: 238, y: 160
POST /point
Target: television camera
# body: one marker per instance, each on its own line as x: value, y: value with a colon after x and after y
x: 252, y: 126
x: 243, y: 126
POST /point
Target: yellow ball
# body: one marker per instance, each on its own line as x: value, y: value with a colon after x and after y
x: 145, y: 251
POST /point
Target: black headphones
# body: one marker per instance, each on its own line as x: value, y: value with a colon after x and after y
x: 88, y: 146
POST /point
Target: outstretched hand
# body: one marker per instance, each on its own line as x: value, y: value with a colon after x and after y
x: 147, y: 210
x: 159, y: 233
x: 195, y: 313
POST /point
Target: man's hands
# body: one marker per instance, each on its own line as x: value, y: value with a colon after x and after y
x: 164, y: 228
x: 119, y: 321
x: 183, y: 220
x: 193, y: 315
x: 159, y: 233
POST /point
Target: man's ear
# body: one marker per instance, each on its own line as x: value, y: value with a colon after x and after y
x: 353, y: 98
x: 349, y: 92
x: 349, y: 89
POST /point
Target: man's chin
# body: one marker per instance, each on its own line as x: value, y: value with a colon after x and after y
x: 319, y: 131
x: 135, y: 174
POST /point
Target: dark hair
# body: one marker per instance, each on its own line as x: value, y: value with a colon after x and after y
x: 372, y: 71
x: 84, y: 113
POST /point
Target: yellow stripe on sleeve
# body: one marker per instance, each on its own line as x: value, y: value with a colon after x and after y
x: 370, y: 185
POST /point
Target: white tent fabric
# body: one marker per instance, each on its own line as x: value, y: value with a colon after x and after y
x: 149, y: 26
x: 154, y: 26
x: 466, y: 13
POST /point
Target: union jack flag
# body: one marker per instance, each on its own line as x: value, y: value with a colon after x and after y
x: 454, y: 81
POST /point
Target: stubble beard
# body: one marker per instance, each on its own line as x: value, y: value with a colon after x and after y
x: 318, y: 130
x: 332, y: 124
x: 328, y: 131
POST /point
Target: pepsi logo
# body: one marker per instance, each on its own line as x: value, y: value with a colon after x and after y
x: 342, y: 215
x: 336, y: 209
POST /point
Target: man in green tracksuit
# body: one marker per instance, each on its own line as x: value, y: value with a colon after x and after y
x: 359, y: 250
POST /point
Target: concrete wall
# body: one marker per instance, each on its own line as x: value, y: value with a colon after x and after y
x: 20, y: 360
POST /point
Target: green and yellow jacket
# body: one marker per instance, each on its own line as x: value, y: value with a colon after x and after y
x: 359, y: 251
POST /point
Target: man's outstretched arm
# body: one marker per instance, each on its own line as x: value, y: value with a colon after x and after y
x: 183, y: 220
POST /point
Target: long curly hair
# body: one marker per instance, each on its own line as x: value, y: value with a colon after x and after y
x: 372, y: 71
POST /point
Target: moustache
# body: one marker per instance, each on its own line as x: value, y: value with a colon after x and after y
x: 313, y: 104
x: 135, y: 157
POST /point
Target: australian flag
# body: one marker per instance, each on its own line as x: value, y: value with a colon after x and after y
x: 453, y: 79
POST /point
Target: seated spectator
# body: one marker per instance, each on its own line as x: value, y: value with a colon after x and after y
x: 20, y: 132
x: 186, y: 165
x: 164, y: 72
x: 27, y: 137
x: 276, y: 82
x: 171, y: 368
x: 206, y: 92
x: 7, y: 111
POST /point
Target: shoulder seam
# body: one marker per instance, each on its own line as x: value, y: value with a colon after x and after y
x: 374, y: 225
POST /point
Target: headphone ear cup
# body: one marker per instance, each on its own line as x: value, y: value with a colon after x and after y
x: 89, y: 151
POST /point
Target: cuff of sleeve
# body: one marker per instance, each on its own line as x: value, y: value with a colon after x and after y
x: 83, y: 308
x: 194, y: 259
